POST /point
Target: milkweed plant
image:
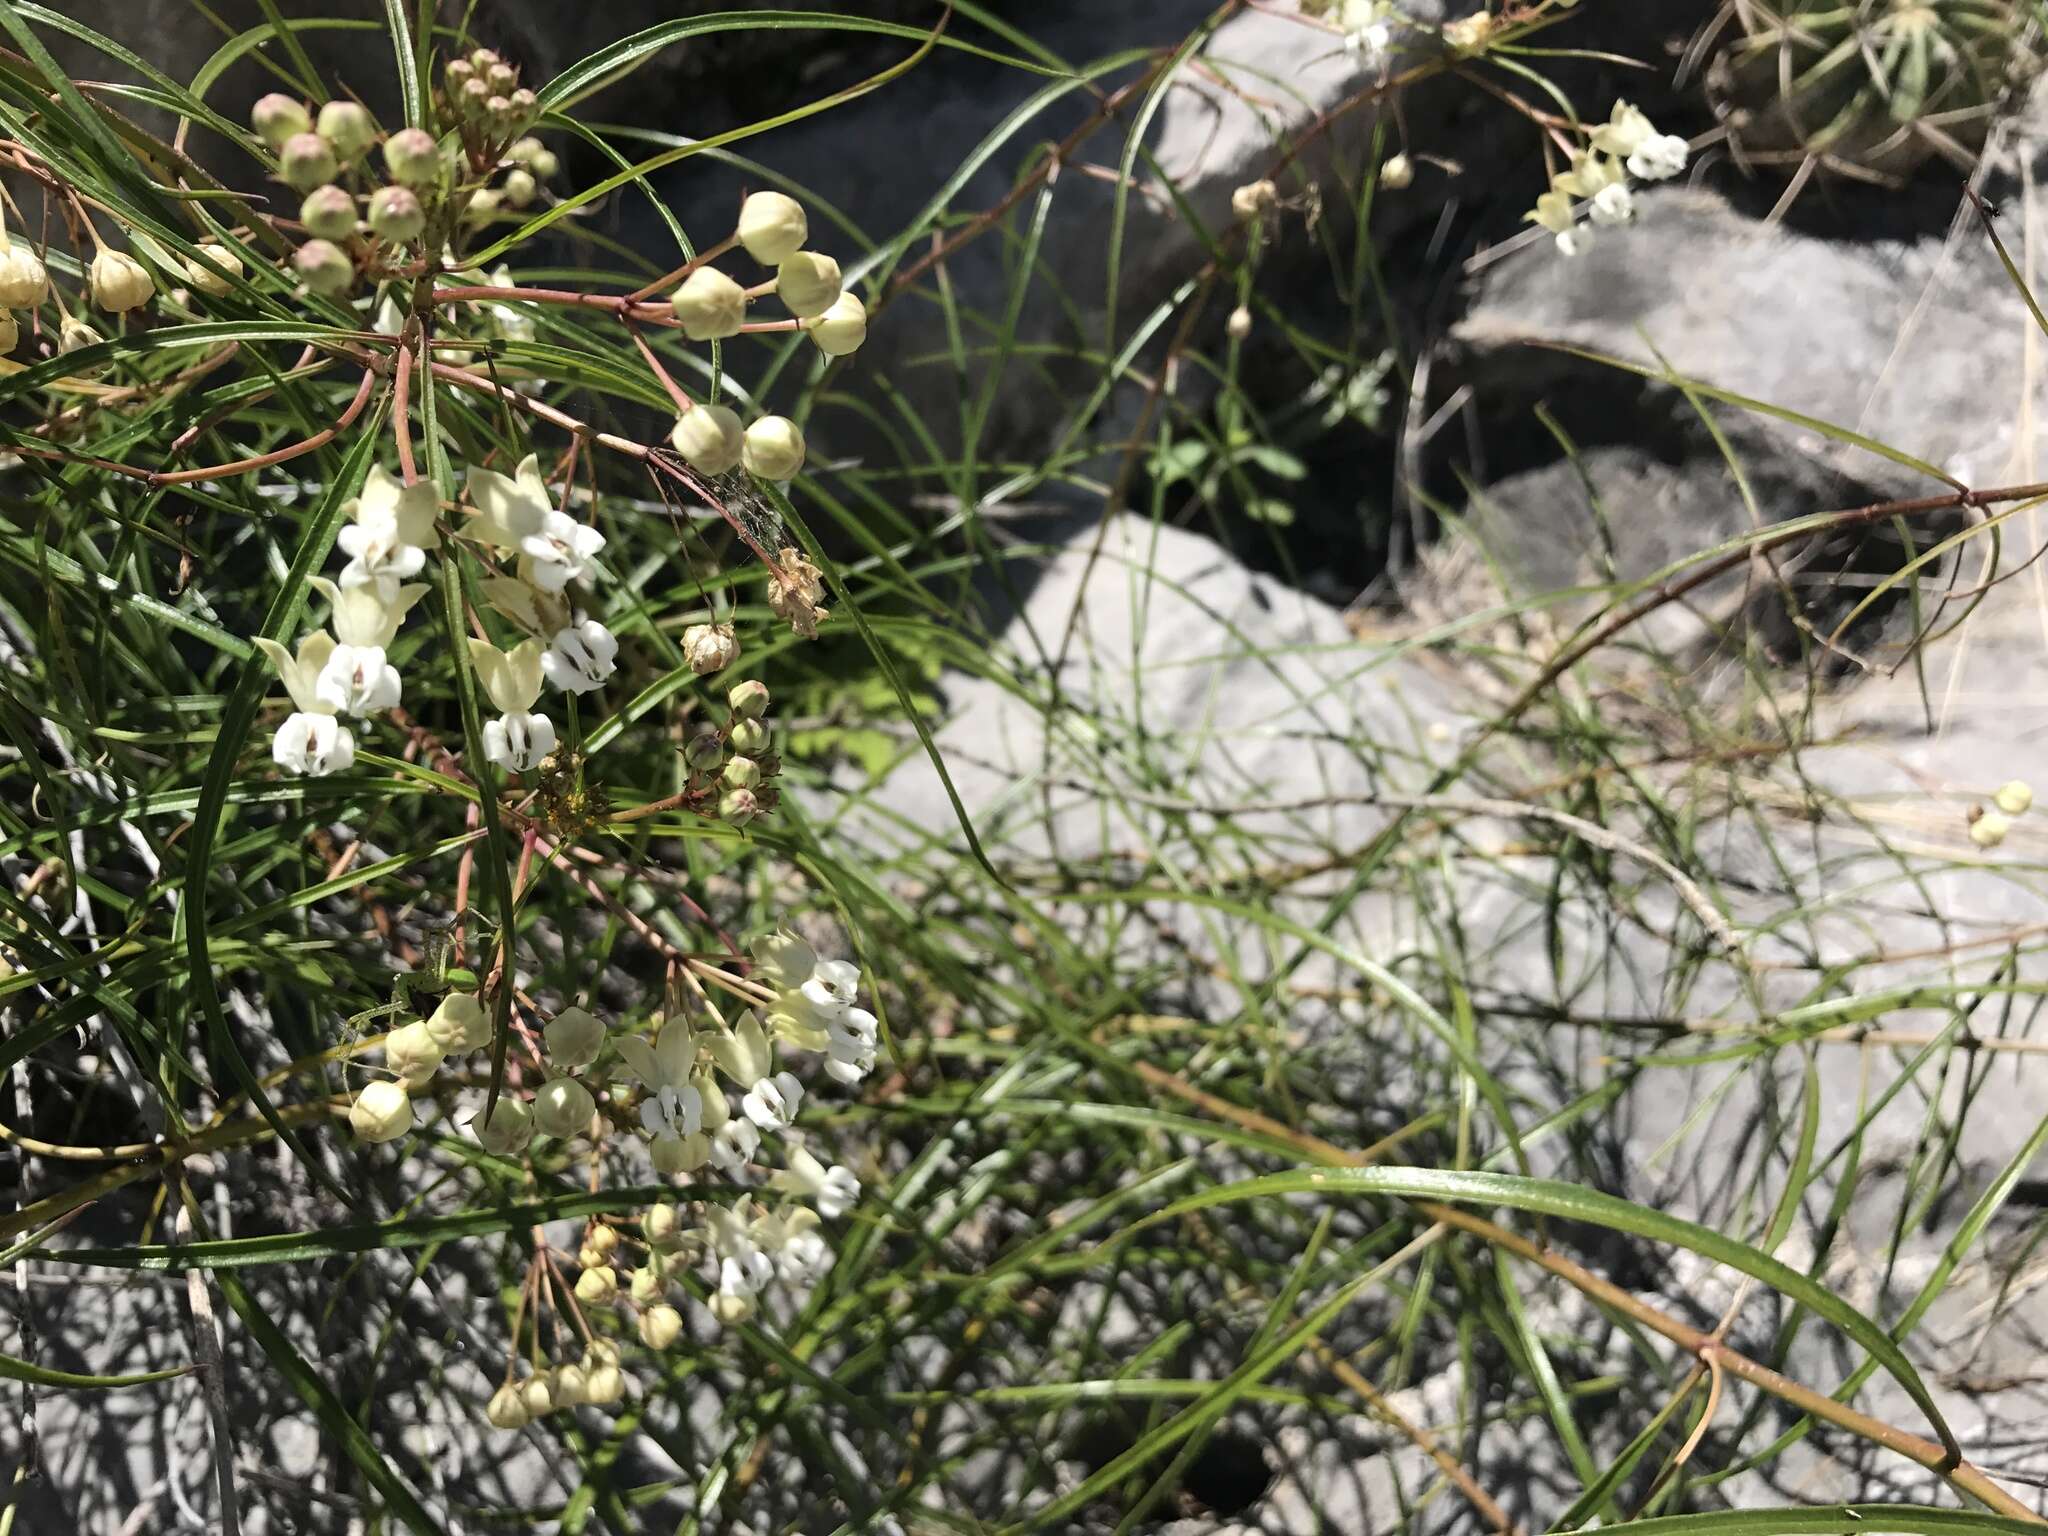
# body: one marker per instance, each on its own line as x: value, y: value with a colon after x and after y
x: 385, y: 221
x: 435, y: 742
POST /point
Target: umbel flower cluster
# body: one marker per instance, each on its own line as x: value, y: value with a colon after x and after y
x: 702, y: 1093
x: 1597, y: 181
x: 711, y: 1089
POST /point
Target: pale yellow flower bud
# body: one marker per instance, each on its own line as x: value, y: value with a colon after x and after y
x: 520, y: 187
x: 645, y: 1287
x: 574, y: 1038
x: 563, y: 1107
x: 602, y: 1239
x: 710, y: 305
x: 460, y: 1024
x: 508, y: 1129
x: 709, y: 438
x: 346, y: 127
x: 603, y: 1385
x: 507, y: 1408
x: 571, y: 1385
x: 807, y: 283
x: 24, y: 282
x: 659, y: 1326
x: 204, y: 278
x: 324, y: 268
x: 305, y: 161
x: 1397, y: 172
x: 842, y: 328
x: 738, y: 806
x: 730, y: 1309
x: 277, y: 117
x: 396, y: 214
x: 772, y: 227
x: 413, y: 157
x: 381, y: 1112
x: 773, y: 448
x: 1989, y: 829
x: 119, y: 282
x: 412, y: 1052
x: 329, y: 213
x: 597, y: 1285
x: 749, y: 737
x: 2014, y: 797
x: 748, y: 700
x: 659, y: 1225
x: 538, y: 1394
x: 742, y: 773
x: 1239, y: 325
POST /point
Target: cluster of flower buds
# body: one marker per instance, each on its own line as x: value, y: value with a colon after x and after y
x: 733, y: 768
x: 114, y: 281
x: 711, y: 1095
x: 1597, y: 181
x: 352, y: 226
x: 711, y: 305
x: 1989, y: 828
x: 413, y: 1053
x: 595, y: 1378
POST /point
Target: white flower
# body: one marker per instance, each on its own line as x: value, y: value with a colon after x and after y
x: 511, y: 678
x: 772, y: 1102
x: 1660, y: 157
x: 368, y: 615
x: 580, y: 657
x: 743, y: 1269
x: 791, y: 1237
x: 1369, y: 39
x: 835, y: 981
x: 508, y: 320
x: 1575, y: 241
x: 509, y: 511
x: 357, y: 680
x: 1613, y: 205
x: 733, y: 1145
x: 391, y: 524
x: 832, y: 1190
x: 301, y: 673
x: 851, y: 1046
x: 518, y: 740
x: 313, y: 743
x: 675, y: 1105
x: 743, y: 1052
x: 376, y: 551
x: 1589, y: 174
x: 561, y: 550
x: 1626, y: 130
x: 1553, y: 211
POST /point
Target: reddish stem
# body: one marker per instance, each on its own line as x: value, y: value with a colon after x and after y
x: 675, y: 391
